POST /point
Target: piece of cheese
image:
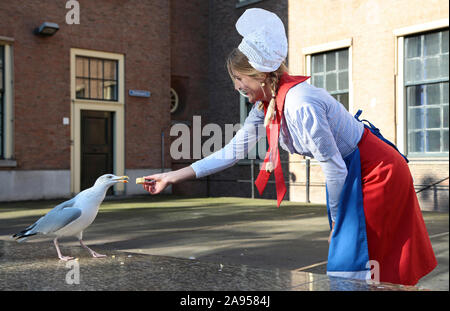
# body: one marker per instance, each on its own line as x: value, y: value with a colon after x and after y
x: 140, y: 180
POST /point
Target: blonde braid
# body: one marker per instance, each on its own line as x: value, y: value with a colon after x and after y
x: 270, y: 114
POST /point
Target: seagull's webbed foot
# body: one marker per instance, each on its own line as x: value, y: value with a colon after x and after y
x: 60, y: 256
x: 97, y: 255
x: 93, y: 253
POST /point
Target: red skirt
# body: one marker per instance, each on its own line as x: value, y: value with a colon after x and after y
x: 396, y: 234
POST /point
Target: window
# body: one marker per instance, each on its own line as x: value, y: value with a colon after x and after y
x: 330, y: 71
x: 2, y: 101
x: 96, y: 78
x: 426, y: 90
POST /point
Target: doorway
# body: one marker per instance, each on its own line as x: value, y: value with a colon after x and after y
x: 97, y: 126
x: 96, y: 147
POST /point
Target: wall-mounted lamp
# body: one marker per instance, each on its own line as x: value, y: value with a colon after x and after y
x: 46, y: 29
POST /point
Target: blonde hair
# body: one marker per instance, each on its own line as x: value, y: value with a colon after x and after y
x: 238, y: 62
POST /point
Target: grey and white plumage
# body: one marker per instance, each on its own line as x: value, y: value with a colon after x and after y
x: 72, y: 217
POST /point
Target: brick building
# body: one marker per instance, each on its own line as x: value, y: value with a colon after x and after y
x: 67, y: 112
x: 374, y: 49
x: 224, y: 104
x: 50, y: 107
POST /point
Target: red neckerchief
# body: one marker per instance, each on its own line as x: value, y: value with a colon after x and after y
x: 273, y: 133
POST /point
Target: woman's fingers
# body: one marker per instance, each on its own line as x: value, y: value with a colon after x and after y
x: 150, y: 187
x: 154, y: 184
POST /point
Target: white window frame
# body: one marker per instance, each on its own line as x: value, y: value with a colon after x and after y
x: 400, y: 105
x: 329, y: 47
x: 8, y: 159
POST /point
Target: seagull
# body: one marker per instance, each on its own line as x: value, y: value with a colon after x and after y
x: 71, y: 217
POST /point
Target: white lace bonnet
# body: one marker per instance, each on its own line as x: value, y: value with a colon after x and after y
x: 264, y: 39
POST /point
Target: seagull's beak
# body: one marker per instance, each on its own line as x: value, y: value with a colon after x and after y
x: 123, y: 179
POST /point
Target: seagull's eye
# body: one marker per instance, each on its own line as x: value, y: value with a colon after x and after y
x: 109, y: 176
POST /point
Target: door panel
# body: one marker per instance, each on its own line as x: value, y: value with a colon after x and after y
x: 96, y: 146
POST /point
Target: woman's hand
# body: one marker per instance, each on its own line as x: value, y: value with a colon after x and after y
x: 331, y: 233
x: 158, y: 182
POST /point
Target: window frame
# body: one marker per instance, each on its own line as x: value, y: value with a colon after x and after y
x: 324, y: 73
x: 7, y: 156
x: 2, y: 101
x: 308, y: 52
x: 102, y: 79
x: 400, y: 92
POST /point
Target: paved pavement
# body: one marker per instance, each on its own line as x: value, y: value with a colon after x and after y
x: 197, y: 244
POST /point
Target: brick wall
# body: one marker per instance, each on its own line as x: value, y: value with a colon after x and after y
x: 224, y: 100
x: 138, y: 29
x: 189, y: 75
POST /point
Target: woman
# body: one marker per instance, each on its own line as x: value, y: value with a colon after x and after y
x: 374, y: 214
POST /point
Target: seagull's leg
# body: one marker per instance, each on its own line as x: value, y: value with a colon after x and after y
x: 65, y: 258
x: 94, y: 254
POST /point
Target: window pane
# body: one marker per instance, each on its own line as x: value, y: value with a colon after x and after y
x: 109, y: 90
x: 433, y: 92
x: 330, y: 59
x: 96, y: 89
x: 431, y: 70
x: 318, y: 81
x: 445, y: 119
x: 343, y: 59
x: 415, y: 142
x: 445, y: 41
x: 413, y: 70
x: 445, y: 92
x: 431, y: 44
x: 415, y: 118
x: 343, y: 80
x: 82, y: 88
x: 331, y: 83
x: 343, y: 99
x: 317, y: 63
x: 110, y: 70
x: 433, y: 116
x: 96, y: 68
x: 413, y: 47
x: 414, y: 95
x: 444, y: 66
x: 82, y: 67
x: 433, y: 141
x: 445, y: 139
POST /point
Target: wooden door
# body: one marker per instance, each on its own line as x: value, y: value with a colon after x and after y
x: 96, y: 146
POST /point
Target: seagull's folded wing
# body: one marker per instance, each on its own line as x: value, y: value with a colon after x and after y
x: 57, y: 219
